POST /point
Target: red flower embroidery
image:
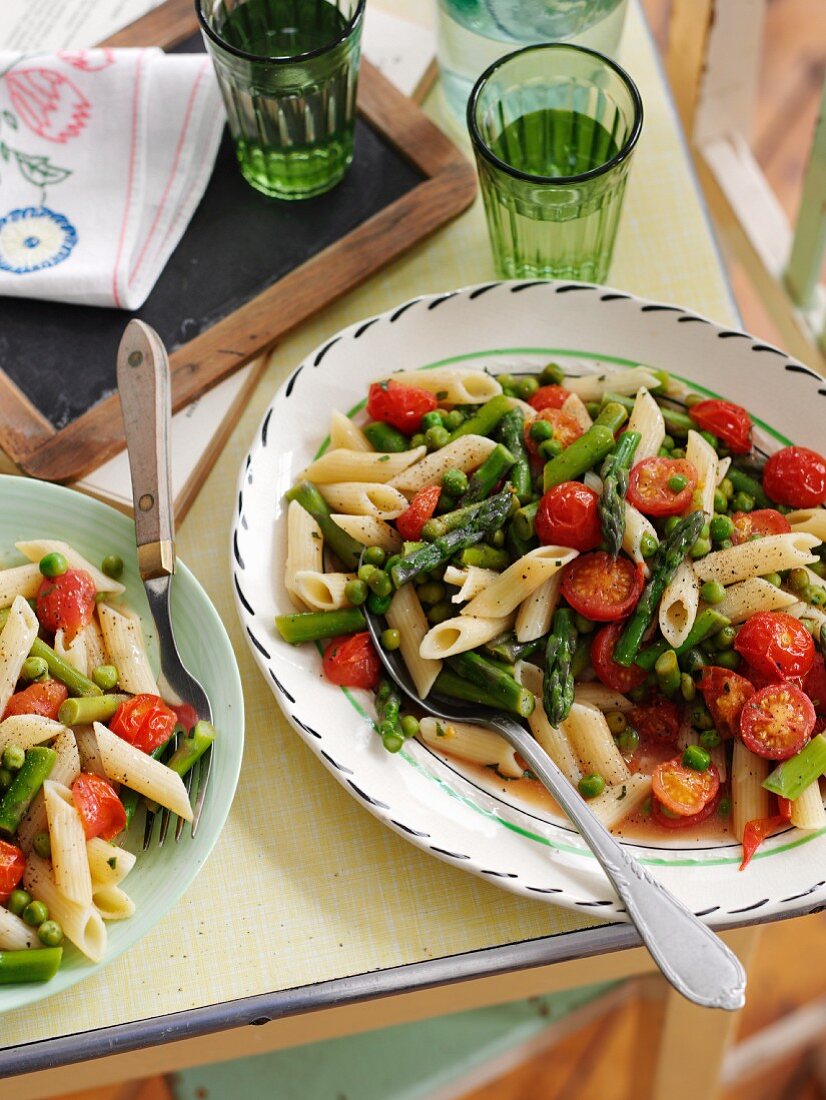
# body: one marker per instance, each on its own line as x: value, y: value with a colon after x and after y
x: 48, y: 103
x: 88, y: 61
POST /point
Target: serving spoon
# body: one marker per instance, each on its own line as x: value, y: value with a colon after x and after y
x: 691, y: 957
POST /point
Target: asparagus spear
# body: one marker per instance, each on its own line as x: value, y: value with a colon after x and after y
x: 612, y: 416
x: 485, y: 557
x: 495, y: 681
x: 745, y: 483
x: 558, y: 682
x: 614, y: 486
x: 488, y: 476
x: 581, y: 455
x: 491, y: 515
x: 451, y: 683
x: 385, y: 438
x: 506, y: 648
x: 708, y: 622
x: 309, y: 626
x: 343, y: 545
x: 192, y: 747
x: 485, y: 420
x: 523, y: 520
x: 61, y: 670
x: 25, y: 785
x: 664, y: 565
x: 793, y: 776
x: 511, y: 434
x: 449, y: 521
x: 80, y: 712
x: 39, y: 964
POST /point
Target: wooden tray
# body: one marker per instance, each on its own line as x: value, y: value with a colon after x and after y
x: 436, y: 182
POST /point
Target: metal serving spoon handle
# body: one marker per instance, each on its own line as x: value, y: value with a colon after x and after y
x: 693, y: 959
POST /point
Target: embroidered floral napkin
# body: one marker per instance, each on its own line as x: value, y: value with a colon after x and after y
x: 104, y: 156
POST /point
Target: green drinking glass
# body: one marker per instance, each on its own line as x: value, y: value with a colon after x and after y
x: 288, y: 71
x: 553, y: 130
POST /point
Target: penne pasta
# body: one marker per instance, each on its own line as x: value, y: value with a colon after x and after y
x: 65, y: 771
x: 807, y: 809
x: 749, y: 799
x: 362, y: 498
x: 465, y: 453
x: 68, y: 844
x: 113, y: 903
x: 27, y: 730
x: 470, y: 580
x: 322, y: 591
x: 461, y: 634
x: 16, y: 639
x: 88, y: 751
x: 470, y: 742
x: 375, y: 467
x: 519, y: 581
x: 369, y: 531
x: 703, y: 458
x: 771, y: 554
x: 305, y: 548
x: 22, y: 580
x: 604, y: 698
x: 637, y: 525
x: 124, y: 643
x: 812, y: 521
x: 124, y: 763
x: 574, y: 407
x: 451, y: 386
x: 344, y: 433
x: 553, y: 739
x: 591, y: 387
x: 719, y: 759
x: 722, y: 468
x: 405, y: 614
x: 36, y: 549
x: 95, y: 649
x: 81, y: 924
x: 592, y: 741
x: 647, y: 419
x: 533, y: 619
x: 746, y: 598
x: 678, y: 606
x: 75, y: 652
x: 617, y: 802
x: 108, y: 864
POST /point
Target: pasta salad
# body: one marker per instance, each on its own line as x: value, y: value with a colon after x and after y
x: 609, y: 558
x: 85, y: 739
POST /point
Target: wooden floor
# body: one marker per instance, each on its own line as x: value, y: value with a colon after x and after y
x: 598, y: 1062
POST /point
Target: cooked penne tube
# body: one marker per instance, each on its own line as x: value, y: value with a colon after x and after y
x: 108, y: 864
x: 810, y: 520
x: 344, y: 433
x: 81, y: 924
x: 461, y: 634
x: 637, y: 525
x: 678, y: 606
x: 363, y: 498
x: 807, y: 809
x: 95, y: 649
x: 369, y: 531
x: 617, y: 802
x: 592, y: 741
x: 746, y: 598
x: 16, y: 639
x: 604, y: 698
x: 27, y: 730
x: 719, y: 759
x: 323, y: 591
x: 553, y: 739
x: 453, y: 387
x: 22, y: 580
x: 703, y: 458
x: 36, y: 549
x: 405, y: 614
x: 124, y: 643
x: 87, y: 747
x: 15, y: 934
x: 528, y: 411
x: 807, y: 613
x: 124, y: 763
x: 647, y: 419
x: 749, y: 799
x: 518, y: 581
x: 465, y: 453
x: 374, y: 467
x: 473, y: 743
x: 113, y: 903
x: 771, y: 554
x: 68, y: 844
x: 74, y: 653
x: 305, y: 548
x: 65, y: 770
x: 533, y: 619
x: 471, y: 580
x: 722, y: 468
x: 574, y: 407
x: 591, y: 387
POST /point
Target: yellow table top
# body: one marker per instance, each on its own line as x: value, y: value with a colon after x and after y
x: 317, y: 888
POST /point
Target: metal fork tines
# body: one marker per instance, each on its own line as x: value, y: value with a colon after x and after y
x: 196, y: 779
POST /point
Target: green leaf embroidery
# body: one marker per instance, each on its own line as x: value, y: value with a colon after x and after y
x: 39, y: 170
x: 10, y: 119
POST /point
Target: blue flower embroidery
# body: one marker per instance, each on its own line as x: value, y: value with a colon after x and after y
x: 32, y: 238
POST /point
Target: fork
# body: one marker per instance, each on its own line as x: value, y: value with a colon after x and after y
x: 144, y: 387
x: 691, y: 957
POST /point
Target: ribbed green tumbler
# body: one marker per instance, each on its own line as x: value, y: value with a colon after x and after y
x: 288, y: 71
x: 553, y: 129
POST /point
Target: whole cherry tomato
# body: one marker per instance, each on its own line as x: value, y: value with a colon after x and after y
x: 649, y: 489
x: 566, y: 429
x: 614, y: 676
x: 814, y: 684
x: 410, y: 523
x: 600, y: 587
x: 401, y: 406
x: 729, y: 422
x: 568, y: 515
x: 145, y: 721
x: 66, y: 602
x: 12, y: 866
x: 682, y: 790
x: 765, y: 521
x: 100, y: 809
x: 777, y: 721
x: 796, y: 476
x: 776, y: 644
x: 352, y: 661
x: 45, y: 699
x: 549, y: 397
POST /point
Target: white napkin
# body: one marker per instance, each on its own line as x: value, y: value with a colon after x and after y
x: 104, y: 156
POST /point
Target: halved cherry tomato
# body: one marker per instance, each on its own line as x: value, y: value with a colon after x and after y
x: 352, y: 661
x: 755, y: 832
x: 796, y: 476
x: 657, y: 720
x: 776, y: 644
x: 617, y: 677
x: 566, y: 429
x: 399, y: 405
x: 784, y: 808
x: 668, y: 820
x: 187, y: 715
x: 145, y: 721
x: 814, y: 684
x: 100, y: 809
x: 648, y: 486
x: 410, y: 523
x: 600, y: 587
x: 725, y: 694
x: 45, y: 699
x: 777, y: 721
x: 12, y: 866
x: 684, y: 791
x: 568, y: 515
x: 730, y: 423
x: 765, y: 521
x: 66, y: 602
x: 549, y: 397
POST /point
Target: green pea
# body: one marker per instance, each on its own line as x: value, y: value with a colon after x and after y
x: 447, y: 503
x: 664, y: 452
x: 552, y: 374
x: 638, y: 694
x: 436, y: 437
x: 712, y: 440
x: 417, y: 440
x: 700, y: 548
x: 14, y: 757
x: 541, y: 430
x: 815, y: 595
x: 454, y: 482
x: 712, y: 592
x: 18, y: 900
x: 432, y: 420
x: 678, y: 452
x: 628, y: 741
x: 677, y: 482
x: 726, y: 544
x: 410, y: 725
x: 798, y: 580
x: 374, y: 555
x: 391, y: 639
x: 687, y: 688
x: 720, y: 527
x: 366, y: 571
x: 819, y: 569
x: 591, y: 785
x: 42, y: 844
x: 724, y: 639
x: 6, y: 778
x: 356, y: 592
x: 583, y: 625
x: 710, y: 739
x: 742, y: 502
x: 35, y: 913
x: 50, y: 933
x: 697, y: 500
x: 497, y: 538
x: 392, y: 742
x: 379, y: 605
x: 648, y: 544
x: 726, y: 487
x: 729, y: 659
x: 720, y: 502
x: 526, y: 387
x: 380, y: 583
x: 54, y: 564
x: 439, y: 612
x: 705, y: 531
x: 616, y: 721
x: 106, y: 677
x: 773, y: 578
x: 454, y: 419
x: 669, y: 443
x: 696, y: 758
x: 34, y: 668
x: 550, y: 448
x: 646, y: 807
x: 506, y: 381
x: 724, y: 806
x: 112, y: 566
x: 670, y: 524
x: 700, y: 718
x: 431, y: 592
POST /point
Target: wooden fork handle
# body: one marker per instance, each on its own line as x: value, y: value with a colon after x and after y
x: 143, y: 383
